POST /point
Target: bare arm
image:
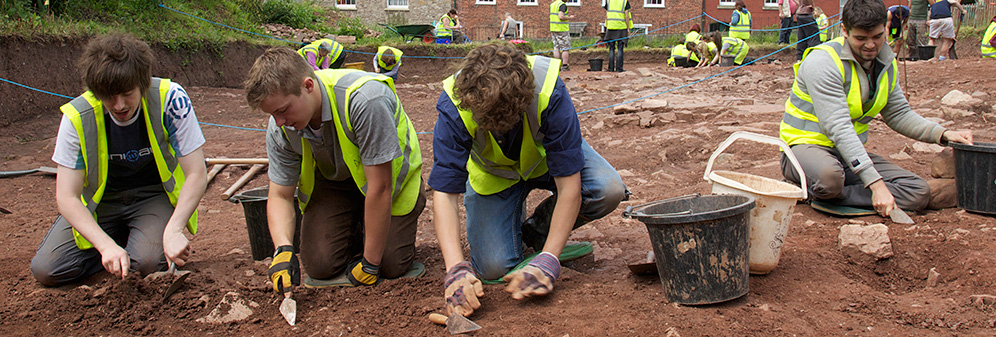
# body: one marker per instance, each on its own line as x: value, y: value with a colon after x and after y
x: 175, y: 244
x: 68, y: 189
x: 565, y: 213
x: 280, y: 215
x: 444, y: 212
x: 376, y: 211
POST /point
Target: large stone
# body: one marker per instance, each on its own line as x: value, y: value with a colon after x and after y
x: 625, y: 109
x: 858, y: 241
x: 232, y: 308
x: 900, y: 156
x: 622, y: 120
x: 950, y: 112
x: 958, y: 98
x: 943, y: 194
x: 943, y: 165
x: 927, y: 148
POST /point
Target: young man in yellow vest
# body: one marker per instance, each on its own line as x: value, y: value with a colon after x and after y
x: 388, y: 61
x: 560, y: 32
x: 618, y: 21
x: 840, y: 86
x: 131, y: 170
x: 494, y: 144
x: 323, y: 54
x: 342, y: 139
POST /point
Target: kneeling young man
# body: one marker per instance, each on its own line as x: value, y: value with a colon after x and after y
x: 840, y: 86
x: 131, y: 170
x: 507, y: 126
x: 343, y: 140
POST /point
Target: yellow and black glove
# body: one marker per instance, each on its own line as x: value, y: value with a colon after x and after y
x: 363, y: 273
x: 284, y: 270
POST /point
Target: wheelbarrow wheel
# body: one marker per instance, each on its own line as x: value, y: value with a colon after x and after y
x: 428, y: 39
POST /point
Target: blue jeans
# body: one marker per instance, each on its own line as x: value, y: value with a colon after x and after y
x: 785, y: 34
x: 497, y: 224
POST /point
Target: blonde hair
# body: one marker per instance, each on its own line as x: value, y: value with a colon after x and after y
x: 817, y: 11
x: 278, y: 71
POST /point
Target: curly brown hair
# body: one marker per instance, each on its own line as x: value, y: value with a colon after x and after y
x: 496, y: 84
x: 115, y: 64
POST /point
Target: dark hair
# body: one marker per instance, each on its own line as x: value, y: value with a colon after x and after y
x: 695, y: 28
x: 496, y: 84
x: 116, y: 64
x: 452, y: 12
x: 739, y: 5
x: 864, y: 14
x: 388, y: 58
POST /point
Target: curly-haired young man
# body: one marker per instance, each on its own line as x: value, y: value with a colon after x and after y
x: 507, y: 126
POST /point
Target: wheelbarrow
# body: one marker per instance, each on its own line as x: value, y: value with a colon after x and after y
x: 412, y: 32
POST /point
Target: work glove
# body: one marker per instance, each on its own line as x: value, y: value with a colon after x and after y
x: 462, y: 290
x: 536, y: 278
x: 363, y: 273
x: 284, y: 270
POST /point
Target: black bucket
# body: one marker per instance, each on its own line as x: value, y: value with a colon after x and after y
x: 680, y: 61
x: 975, y: 176
x: 925, y: 52
x: 727, y: 61
x: 254, y: 205
x: 701, y: 244
x: 594, y: 64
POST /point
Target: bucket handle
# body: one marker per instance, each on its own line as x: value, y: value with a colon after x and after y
x: 761, y: 139
x: 629, y: 212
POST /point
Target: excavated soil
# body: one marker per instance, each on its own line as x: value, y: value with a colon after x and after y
x: 661, y: 152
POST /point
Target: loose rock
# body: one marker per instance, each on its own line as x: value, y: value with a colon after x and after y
x: 232, y: 308
x: 932, y: 277
x: 871, y: 240
x: 943, y: 193
x: 943, y: 165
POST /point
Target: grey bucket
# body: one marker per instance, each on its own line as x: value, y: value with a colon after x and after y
x: 254, y: 206
x: 727, y: 61
x: 701, y: 244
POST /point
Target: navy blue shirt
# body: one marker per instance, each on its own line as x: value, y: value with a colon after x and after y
x: 451, y: 143
x: 899, y: 13
x: 940, y: 10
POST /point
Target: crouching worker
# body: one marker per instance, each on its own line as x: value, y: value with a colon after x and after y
x: 507, y: 126
x: 323, y: 54
x: 840, y: 86
x: 131, y: 170
x: 341, y: 137
x: 388, y: 61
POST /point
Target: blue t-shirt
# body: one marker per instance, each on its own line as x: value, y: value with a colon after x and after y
x: 451, y: 143
x: 940, y: 10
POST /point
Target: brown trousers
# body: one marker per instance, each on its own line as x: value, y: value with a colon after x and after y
x: 332, y: 232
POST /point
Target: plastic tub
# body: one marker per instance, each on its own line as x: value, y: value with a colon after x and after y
x: 254, y: 205
x: 727, y: 61
x: 975, y: 176
x: 594, y: 64
x: 701, y: 245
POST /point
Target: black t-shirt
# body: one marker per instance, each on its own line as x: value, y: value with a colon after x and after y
x: 131, y: 163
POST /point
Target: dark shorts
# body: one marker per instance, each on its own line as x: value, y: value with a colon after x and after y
x: 619, y: 35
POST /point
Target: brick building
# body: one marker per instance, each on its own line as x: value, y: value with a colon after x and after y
x: 392, y: 12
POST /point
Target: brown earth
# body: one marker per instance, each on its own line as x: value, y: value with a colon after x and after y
x: 661, y: 153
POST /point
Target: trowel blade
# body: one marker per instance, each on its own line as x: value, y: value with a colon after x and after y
x: 288, y: 308
x: 180, y: 277
x: 898, y: 216
x: 457, y: 324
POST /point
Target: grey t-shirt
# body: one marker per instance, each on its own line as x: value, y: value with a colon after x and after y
x: 371, y: 112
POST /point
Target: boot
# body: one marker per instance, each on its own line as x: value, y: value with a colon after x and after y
x: 537, y: 227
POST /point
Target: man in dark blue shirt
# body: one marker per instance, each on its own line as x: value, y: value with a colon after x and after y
x: 507, y: 126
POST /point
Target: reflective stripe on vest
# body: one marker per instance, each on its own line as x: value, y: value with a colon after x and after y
x: 987, y: 49
x: 443, y: 32
x: 738, y: 49
x: 556, y: 24
x: 615, y: 15
x: 380, y: 53
x: 87, y: 116
x: 406, y: 170
x: 824, y: 30
x: 489, y: 170
x: 741, y: 28
x: 799, y: 124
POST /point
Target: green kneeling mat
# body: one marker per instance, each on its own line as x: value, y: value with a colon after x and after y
x: 417, y: 270
x: 571, y: 251
x: 838, y: 210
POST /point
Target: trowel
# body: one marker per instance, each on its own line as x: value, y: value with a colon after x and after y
x: 898, y: 216
x: 179, y: 276
x: 288, y: 308
x: 456, y: 324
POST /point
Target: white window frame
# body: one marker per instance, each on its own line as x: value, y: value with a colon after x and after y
x: 398, y: 7
x: 347, y: 7
x: 726, y: 4
x: 573, y: 3
x: 527, y: 3
x: 651, y: 4
x: 770, y: 4
x: 485, y: 2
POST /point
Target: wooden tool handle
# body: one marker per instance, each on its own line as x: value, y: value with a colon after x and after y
x: 214, y: 171
x: 212, y: 161
x: 437, y: 318
x: 242, y: 181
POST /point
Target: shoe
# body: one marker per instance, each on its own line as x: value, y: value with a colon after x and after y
x: 941, y: 58
x: 565, y: 67
x: 619, y: 70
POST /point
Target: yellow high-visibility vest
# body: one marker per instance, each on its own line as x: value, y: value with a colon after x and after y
x: 556, y: 24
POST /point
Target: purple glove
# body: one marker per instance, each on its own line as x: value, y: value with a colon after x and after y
x: 462, y: 290
x: 536, y: 278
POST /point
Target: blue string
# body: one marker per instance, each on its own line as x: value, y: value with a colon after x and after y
x: 623, y: 38
x: 691, y: 83
x: 35, y: 89
x: 229, y: 126
x: 768, y: 29
x: 293, y: 42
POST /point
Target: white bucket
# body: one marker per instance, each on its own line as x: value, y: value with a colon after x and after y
x: 775, y: 201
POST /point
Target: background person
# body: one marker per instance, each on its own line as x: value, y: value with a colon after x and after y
x: 388, y: 61
x: 822, y: 22
x: 123, y: 206
x: 785, y: 10
x: 560, y: 32
x: 323, y: 54
x: 917, y: 31
x: 618, y: 21
x: 826, y: 126
x: 807, y: 28
x: 708, y: 48
x: 741, y: 22
x: 496, y: 144
x: 942, y: 26
x: 508, y: 28
x: 898, y: 17
x: 359, y: 187
x: 445, y: 26
x: 988, y: 45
